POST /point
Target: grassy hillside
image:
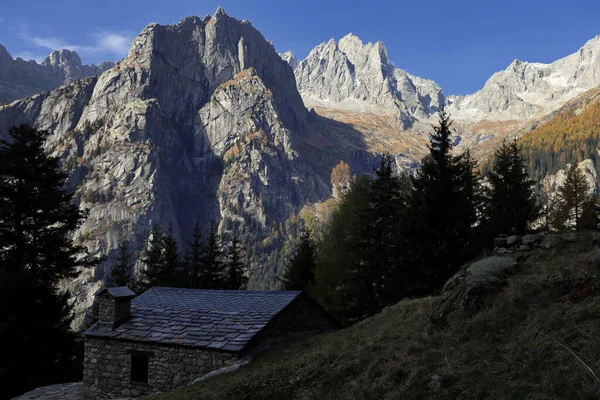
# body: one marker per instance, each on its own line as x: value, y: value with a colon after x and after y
x: 537, y: 339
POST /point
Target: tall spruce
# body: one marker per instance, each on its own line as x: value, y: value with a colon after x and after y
x: 37, y: 222
x: 235, y: 267
x: 444, y: 209
x: 512, y: 202
x: 300, y: 270
x: 170, y: 261
x: 212, y: 274
x: 378, y: 276
x: 121, y: 270
x: 572, y: 195
x: 193, y: 260
x: 152, y: 273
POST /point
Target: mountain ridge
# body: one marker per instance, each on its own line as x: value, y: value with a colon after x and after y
x: 20, y: 78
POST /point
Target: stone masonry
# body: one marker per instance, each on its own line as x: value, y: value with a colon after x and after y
x: 107, y: 367
x: 168, y: 337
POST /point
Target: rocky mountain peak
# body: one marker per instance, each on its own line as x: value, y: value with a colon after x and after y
x: 354, y: 76
x: 290, y: 58
x: 526, y: 90
x: 5, y: 55
x: 63, y: 58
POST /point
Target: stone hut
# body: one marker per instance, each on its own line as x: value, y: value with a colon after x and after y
x: 168, y: 337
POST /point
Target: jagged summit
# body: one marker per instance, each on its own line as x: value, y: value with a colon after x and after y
x: 199, y: 122
x: 290, y: 58
x: 351, y: 75
x: 20, y: 78
x: 528, y: 89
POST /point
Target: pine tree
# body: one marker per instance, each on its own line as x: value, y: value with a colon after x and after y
x: 121, y: 269
x: 444, y: 209
x: 572, y: 195
x: 235, y: 267
x: 212, y: 275
x: 37, y: 221
x: 300, y: 270
x: 512, y: 203
x: 193, y: 260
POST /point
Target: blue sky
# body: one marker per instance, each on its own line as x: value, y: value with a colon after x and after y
x: 459, y: 43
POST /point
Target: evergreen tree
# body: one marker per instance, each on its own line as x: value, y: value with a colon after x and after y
x: 235, y: 267
x: 590, y: 214
x: 548, y: 206
x: 121, y: 269
x: 379, y: 274
x: 444, y: 209
x: 512, y: 203
x: 37, y: 221
x: 572, y: 195
x: 152, y: 274
x: 170, y: 260
x: 212, y: 275
x: 300, y: 271
x: 336, y: 258
x: 193, y: 260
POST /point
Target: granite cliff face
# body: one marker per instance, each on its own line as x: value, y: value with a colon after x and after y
x: 197, y: 123
x: 20, y: 78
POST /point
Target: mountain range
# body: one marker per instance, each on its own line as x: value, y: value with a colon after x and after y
x: 204, y: 121
x: 20, y: 78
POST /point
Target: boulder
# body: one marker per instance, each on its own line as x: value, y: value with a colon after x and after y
x: 467, y: 289
x: 551, y: 241
x: 532, y: 239
x: 501, y: 250
x: 513, y: 240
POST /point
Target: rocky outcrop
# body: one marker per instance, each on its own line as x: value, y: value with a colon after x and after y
x: 20, y: 78
x: 350, y: 75
x: 468, y: 289
x: 552, y: 182
x: 525, y: 90
x: 199, y: 122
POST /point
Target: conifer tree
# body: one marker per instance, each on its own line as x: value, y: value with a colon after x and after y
x: 337, y: 251
x: 193, y: 260
x: 235, y: 267
x: 512, y: 203
x: 121, y: 269
x: 37, y: 221
x: 590, y: 214
x: 572, y: 195
x: 170, y: 259
x: 300, y: 270
x: 151, y: 274
x: 444, y: 206
x: 212, y: 274
x: 379, y: 274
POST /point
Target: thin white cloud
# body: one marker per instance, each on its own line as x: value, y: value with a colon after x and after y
x: 113, y: 42
x: 105, y: 42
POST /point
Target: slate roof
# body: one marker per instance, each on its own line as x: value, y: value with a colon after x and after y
x: 121, y: 291
x: 214, y: 319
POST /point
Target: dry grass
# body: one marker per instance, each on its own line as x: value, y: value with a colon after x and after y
x: 538, y: 339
